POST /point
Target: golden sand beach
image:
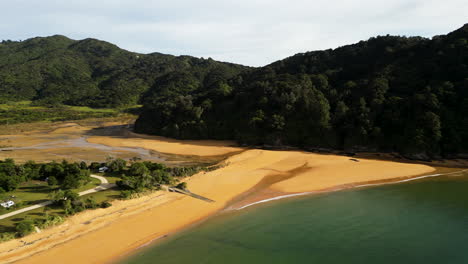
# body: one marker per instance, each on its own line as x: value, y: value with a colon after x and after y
x: 105, y: 235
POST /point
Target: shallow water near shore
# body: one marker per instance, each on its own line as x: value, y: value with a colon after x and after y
x: 423, y: 221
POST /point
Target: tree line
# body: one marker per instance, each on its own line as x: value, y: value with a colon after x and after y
x: 389, y: 93
x: 140, y: 176
x: 66, y: 175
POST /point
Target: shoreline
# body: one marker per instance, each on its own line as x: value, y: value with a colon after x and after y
x: 127, y: 225
x: 230, y: 207
x: 120, y: 230
x: 342, y: 188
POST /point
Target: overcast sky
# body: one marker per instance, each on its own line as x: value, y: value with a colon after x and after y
x: 250, y: 32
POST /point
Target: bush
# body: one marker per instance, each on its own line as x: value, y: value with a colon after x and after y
x: 6, y: 236
x: 182, y: 186
x: 90, y: 203
x: 126, y: 194
x: 105, y: 204
x: 78, y: 208
x: 25, y: 227
x: 51, y: 220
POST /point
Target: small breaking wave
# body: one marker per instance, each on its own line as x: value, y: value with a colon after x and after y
x: 355, y: 186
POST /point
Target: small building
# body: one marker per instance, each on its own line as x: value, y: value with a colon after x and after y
x: 103, y: 169
x: 7, y: 204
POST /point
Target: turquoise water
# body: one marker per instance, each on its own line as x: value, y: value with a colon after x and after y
x: 422, y: 221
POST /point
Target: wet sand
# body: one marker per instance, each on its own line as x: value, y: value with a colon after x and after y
x: 169, y: 145
x: 71, y: 141
x: 106, y: 235
x: 63, y: 141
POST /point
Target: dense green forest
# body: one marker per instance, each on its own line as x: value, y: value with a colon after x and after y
x: 57, y: 70
x: 389, y: 93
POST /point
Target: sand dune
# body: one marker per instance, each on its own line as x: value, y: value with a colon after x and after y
x: 127, y: 225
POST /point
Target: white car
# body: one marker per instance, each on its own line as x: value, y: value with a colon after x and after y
x: 103, y: 169
x: 7, y: 204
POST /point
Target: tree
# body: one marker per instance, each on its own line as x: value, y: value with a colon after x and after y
x: 94, y: 165
x: 59, y: 196
x: 74, y: 176
x: 71, y: 195
x: 83, y: 165
x: 138, y: 169
x: 67, y: 207
x: 117, y: 165
x: 32, y: 170
x: 71, y: 181
x: 52, y: 181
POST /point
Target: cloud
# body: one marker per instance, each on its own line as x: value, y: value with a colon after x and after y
x: 254, y: 32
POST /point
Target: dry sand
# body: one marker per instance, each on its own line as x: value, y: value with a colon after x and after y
x: 107, y: 234
x: 168, y: 145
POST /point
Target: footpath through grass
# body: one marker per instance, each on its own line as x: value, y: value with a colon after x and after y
x: 34, y: 192
x: 9, y: 224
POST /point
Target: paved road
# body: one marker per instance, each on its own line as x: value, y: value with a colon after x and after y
x: 103, y: 186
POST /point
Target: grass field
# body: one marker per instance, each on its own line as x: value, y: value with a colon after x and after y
x: 34, y: 192
x: 27, y: 112
x: 8, y: 225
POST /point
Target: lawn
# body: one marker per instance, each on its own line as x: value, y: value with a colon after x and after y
x: 33, y: 192
x: 8, y: 225
x: 111, y: 177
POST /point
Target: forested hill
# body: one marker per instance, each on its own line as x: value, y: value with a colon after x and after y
x: 57, y: 70
x: 388, y: 93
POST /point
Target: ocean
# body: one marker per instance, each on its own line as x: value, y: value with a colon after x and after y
x: 421, y: 221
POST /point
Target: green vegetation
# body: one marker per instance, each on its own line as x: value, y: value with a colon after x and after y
x: 25, y: 227
x: 57, y: 70
x: 408, y: 95
x: 71, y: 202
x: 66, y: 175
x: 51, y: 215
x: 385, y: 94
x: 143, y: 176
x: 35, y: 191
x: 132, y: 178
x: 26, y: 184
x: 27, y: 111
x: 182, y: 185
